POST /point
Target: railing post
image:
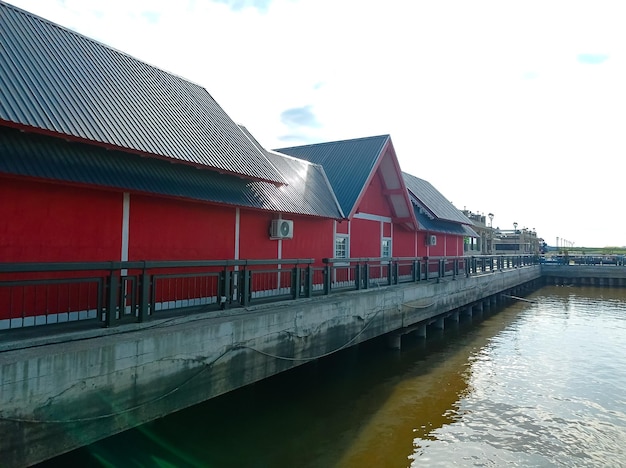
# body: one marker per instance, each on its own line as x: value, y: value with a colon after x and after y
x: 396, y: 272
x: 426, y: 268
x: 366, y: 276
x: 246, y: 286
x: 113, y: 284
x: 455, y: 268
x: 415, y: 271
x: 144, y: 302
x: 357, y: 276
x: 308, y: 281
x: 295, y: 282
x: 327, y: 279
x: 224, y: 288
x: 389, y: 273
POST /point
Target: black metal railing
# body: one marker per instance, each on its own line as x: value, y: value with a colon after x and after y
x: 111, y: 293
x: 596, y: 260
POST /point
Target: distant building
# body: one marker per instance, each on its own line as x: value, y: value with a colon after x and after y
x: 519, y: 241
x: 499, y: 241
x: 482, y: 244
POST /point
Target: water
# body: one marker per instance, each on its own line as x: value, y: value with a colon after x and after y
x: 537, y: 384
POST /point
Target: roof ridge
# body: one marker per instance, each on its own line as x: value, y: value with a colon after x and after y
x: 95, y: 41
x: 258, y: 144
x: 347, y: 140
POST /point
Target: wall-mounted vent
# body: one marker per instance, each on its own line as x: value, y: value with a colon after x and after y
x: 281, y: 229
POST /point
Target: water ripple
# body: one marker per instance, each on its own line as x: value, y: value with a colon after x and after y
x: 546, y: 391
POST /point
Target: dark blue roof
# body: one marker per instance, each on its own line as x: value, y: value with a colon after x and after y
x: 56, y: 80
x: 429, y: 224
x: 33, y: 155
x: 432, y: 200
x: 347, y: 163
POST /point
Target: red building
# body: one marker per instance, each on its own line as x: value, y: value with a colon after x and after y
x: 106, y: 158
x: 389, y: 213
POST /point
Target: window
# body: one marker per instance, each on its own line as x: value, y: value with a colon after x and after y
x: 341, y: 246
x: 385, y: 250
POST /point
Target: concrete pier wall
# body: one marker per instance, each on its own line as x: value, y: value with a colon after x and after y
x: 61, y: 392
x: 585, y: 275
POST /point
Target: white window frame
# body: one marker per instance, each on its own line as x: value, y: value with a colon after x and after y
x: 346, y: 238
x: 382, y: 247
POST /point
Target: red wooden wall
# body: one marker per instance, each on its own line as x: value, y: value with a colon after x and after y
x: 365, y: 240
x: 44, y: 222
x: 165, y: 229
x: 312, y: 238
x: 373, y: 201
x: 404, y: 243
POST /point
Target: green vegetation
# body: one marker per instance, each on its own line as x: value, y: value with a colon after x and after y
x: 594, y: 251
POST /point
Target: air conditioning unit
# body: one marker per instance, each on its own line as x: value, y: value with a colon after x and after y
x: 281, y: 229
x: 431, y: 239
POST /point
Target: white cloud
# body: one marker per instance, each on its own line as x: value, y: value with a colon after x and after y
x: 493, y: 102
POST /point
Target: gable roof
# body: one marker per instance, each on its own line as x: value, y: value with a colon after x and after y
x: 50, y: 158
x: 350, y: 166
x: 431, y: 200
x: 56, y: 81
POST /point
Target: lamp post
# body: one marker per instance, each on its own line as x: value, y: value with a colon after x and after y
x: 517, y: 240
x: 490, y: 237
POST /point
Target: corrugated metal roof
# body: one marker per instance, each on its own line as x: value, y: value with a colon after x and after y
x: 347, y: 163
x: 307, y: 184
x: 32, y: 155
x: 59, y: 81
x: 433, y: 200
x: 446, y: 227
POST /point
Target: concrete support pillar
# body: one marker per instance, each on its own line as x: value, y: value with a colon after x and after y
x: 455, y: 316
x: 439, y: 323
x: 394, y: 341
x: 421, y: 331
x: 467, y: 311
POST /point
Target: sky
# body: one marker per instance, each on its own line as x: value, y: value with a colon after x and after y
x: 515, y: 108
